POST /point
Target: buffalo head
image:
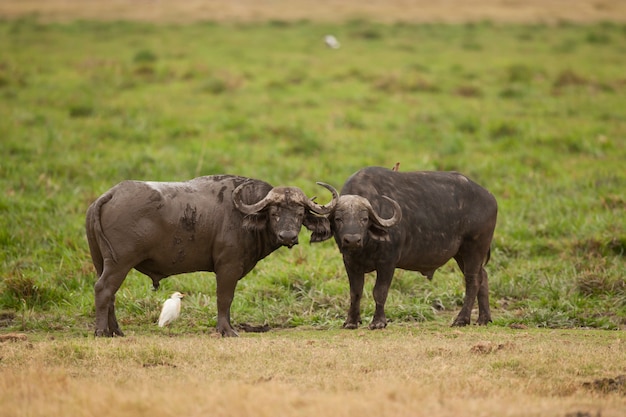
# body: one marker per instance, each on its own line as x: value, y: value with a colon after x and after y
x: 354, y: 220
x: 283, y: 211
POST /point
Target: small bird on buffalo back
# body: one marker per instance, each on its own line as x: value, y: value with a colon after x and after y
x: 171, y: 309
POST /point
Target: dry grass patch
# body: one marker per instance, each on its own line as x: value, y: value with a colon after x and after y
x: 451, y: 11
x: 400, y: 371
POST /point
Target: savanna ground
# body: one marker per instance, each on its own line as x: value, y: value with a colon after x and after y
x: 526, y: 97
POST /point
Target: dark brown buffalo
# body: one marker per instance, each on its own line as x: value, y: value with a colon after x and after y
x: 416, y: 221
x: 221, y: 223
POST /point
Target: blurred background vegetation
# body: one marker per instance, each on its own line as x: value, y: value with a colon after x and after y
x: 533, y: 112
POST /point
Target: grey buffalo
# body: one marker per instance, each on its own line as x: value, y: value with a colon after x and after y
x: 222, y: 223
x: 414, y: 221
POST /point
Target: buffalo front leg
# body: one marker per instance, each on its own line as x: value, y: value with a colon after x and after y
x: 357, y: 280
x: 226, y: 284
x: 384, y: 275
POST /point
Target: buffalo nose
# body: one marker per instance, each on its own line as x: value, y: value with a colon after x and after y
x: 352, y: 240
x: 288, y: 238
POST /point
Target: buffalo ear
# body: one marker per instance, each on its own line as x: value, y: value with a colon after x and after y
x: 255, y: 222
x: 319, y: 225
x: 379, y: 233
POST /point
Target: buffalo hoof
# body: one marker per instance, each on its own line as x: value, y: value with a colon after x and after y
x: 229, y: 332
x: 482, y: 321
x: 106, y: 333
x: 377, y: 325
x: 100, y: 333
x: 351, y: 325
x: 117, y: 333
x: 460, y: 322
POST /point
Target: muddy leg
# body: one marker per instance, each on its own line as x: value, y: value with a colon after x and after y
x: 226, y: 284
x: 105, y: 289
x: 114, y: 327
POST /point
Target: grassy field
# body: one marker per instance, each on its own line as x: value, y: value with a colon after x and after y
x: 532, y: 112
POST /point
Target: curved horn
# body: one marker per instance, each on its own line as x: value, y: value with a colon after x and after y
x: 393, y: 220
x: 271, y: 197
x: 325, y: 209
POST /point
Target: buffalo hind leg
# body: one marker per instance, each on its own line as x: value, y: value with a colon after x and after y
x: 484, y: 313
x: 357, y: 280
x: 114, y: 327
x: 105, y: 289
x: 471, y: 266
x: 471, y: 291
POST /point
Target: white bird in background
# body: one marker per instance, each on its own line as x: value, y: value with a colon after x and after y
x: 331, y: 42
x: 171, y: 309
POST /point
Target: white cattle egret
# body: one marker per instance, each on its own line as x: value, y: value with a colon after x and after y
x: 171, y: 309
x: 331, y: 42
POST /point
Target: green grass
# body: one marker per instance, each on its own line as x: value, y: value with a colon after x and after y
x: 534, y: 113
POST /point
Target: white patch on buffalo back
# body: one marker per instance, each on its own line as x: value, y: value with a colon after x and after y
x: 158, y: 186
x: 162, y: 186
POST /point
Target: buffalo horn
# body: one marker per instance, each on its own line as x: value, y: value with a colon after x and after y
x: 279, y: 194
x: 323, y: 209
x: 393, y: 220
x: 271, y: 197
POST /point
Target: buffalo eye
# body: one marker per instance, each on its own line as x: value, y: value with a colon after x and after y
x: 364, y: 220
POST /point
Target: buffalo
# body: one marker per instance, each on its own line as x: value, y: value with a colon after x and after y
x: 416, y: 221
x: 222, y: 223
